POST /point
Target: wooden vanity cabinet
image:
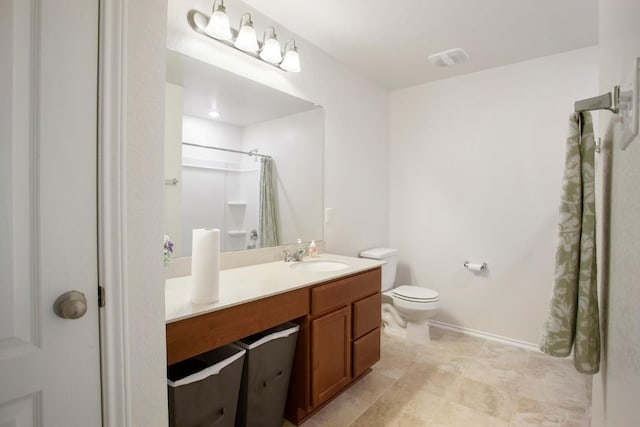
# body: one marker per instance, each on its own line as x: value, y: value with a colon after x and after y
x: 338, y: 340
x: 345, y: 333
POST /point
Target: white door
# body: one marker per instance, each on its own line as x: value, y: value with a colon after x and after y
x: 49, y: 366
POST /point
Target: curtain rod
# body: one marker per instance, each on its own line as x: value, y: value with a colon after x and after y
x: 253, y: 152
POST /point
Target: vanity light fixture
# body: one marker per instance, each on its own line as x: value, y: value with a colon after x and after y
x: 218, y: 26
x: 214, y: 114
x: 244, y: 39
x: 291, y: 61
x: 270, y: 51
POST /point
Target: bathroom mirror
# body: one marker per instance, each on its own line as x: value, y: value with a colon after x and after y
x: 241, y: 157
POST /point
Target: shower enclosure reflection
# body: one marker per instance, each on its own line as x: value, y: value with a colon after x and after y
x: 241, y: 157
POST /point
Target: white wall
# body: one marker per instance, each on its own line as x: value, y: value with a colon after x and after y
x: 173, y: 163
x: 143, y: 320
x: 295, y: 144
x: 196, y: 130
x: 617, y: 387
x: 203, y: 204
x: 206, y: 190
x: 356, y: 178
x: 476, y: 168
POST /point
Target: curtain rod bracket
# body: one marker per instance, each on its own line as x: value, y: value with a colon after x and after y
x: 609, y: 101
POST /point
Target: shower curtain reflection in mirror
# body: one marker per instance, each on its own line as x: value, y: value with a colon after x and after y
x: 268, y: 211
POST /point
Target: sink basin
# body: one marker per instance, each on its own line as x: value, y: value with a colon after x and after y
x: 318, y: 266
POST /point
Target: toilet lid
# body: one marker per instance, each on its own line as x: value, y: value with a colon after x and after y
x: 415, y: 293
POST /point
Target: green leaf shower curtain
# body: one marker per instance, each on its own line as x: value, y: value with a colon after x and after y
x: 268, y: 212
x: 573, y: 319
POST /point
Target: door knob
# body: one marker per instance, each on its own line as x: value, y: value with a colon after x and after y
x: 70, y: 305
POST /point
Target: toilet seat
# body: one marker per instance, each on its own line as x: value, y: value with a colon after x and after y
x: 414, y: 307
x: 415, y: 294
x: 414, y: 298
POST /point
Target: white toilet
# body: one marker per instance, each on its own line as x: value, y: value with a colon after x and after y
x: 406, y: 310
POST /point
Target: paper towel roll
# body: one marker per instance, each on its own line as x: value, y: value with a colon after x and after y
x: 205, y: 265
x: 475, y: 267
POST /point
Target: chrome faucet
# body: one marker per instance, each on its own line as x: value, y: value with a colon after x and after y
x: 296, y: 256
x: 299, y: 254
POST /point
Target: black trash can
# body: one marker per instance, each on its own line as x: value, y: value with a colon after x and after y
x: 265, y: 379
x: 203, y: 390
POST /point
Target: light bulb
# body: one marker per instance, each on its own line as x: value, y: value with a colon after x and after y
x: 271, y: 51
x: 291, y: 61
x: 218, y: 26
x: 246, y: 39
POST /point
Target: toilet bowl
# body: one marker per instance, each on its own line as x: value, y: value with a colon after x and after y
x: 413, y: 306
x: 406, y: 310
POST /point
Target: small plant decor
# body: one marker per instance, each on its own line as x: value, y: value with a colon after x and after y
x: 168, y: 249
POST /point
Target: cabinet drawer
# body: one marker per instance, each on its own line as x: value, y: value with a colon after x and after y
x: 344, y: 291
x: 366, y: 315
x: 366, y: 352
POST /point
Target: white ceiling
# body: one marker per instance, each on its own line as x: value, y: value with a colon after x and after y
x: 389, y: 41
x: 240, y: 101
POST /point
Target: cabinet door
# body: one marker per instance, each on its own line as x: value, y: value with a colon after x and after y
x: 330, y: 354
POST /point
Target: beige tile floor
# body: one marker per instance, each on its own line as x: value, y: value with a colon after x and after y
x: 459, y: 380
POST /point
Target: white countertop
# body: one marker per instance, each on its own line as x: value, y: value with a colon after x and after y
x: 253, y: 282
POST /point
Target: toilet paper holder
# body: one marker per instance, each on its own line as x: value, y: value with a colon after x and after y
x: 476, y: 268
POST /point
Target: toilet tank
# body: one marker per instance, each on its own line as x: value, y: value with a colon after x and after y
x: 390, y: 256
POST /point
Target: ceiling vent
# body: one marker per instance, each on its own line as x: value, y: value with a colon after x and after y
x: 449, y: 57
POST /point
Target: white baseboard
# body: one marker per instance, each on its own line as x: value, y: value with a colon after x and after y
x: 485, y: 335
